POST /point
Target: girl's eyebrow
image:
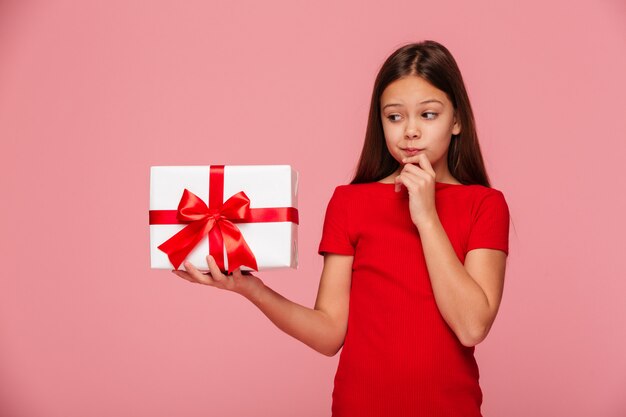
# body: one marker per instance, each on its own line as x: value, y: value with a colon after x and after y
x: 430, y: 100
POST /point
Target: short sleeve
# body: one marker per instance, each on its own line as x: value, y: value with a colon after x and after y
x: 490, y: 223
x: 335, y: 234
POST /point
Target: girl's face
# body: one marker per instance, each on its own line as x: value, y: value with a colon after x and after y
x: 417, y: 115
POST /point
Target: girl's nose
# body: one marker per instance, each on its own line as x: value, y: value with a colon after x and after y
x: 412, y: 130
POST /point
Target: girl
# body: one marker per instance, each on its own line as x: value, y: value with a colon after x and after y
x: 414, y: 250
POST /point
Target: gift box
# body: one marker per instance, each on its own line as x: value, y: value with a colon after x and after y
x: 243, y: 215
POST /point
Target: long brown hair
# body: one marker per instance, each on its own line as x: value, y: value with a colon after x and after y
x: 434, y: 63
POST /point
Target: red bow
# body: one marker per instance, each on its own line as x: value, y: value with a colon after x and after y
x: 216, y: 221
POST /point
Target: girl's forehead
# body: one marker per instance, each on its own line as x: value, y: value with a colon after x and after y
x: 412, y: 89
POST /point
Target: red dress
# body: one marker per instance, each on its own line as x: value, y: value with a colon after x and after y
x: 400, y: 358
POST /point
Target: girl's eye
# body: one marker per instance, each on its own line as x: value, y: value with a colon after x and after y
x: 433, y: 115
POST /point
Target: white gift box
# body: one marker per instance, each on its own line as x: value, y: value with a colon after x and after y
x: 273, y: 243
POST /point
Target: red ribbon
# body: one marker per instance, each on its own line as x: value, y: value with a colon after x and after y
x: 217, y: 220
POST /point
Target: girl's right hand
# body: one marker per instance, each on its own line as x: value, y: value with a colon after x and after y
x: 244, y: 283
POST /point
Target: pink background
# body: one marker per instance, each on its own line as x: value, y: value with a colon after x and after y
x: 92, y: 93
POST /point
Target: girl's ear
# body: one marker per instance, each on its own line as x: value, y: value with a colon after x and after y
x: 456, y: 127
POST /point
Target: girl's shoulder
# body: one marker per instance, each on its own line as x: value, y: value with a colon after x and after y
x: 343, y: 189
x: 488, y: 191
x: 475, y: 198
x: 487, y: 199
x: 473, y: 189
x: 365, y: 189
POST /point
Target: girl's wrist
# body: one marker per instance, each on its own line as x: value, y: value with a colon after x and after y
x: 426, y: 222
x: 254, y: 290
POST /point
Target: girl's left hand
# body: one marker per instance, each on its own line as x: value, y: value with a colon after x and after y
x: 418, y: 176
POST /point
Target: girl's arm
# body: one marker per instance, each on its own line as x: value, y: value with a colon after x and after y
x: 468, y: 296
x: 322, y: 328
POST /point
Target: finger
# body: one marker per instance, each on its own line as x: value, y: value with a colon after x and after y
x: 239, y: 273
x: 425, y: 164
x: 398, y: 182
x: 196, y: 274
x: 414, y: 170
x: 410, y: 169
x: 421, y: 179
x: 214, y: 269
x: 184, y: 275
x: 420, y: 160
x: 203, y: 278
x: 409, y: 182
x: 404, y: 178
x: 410, y: 159
x: 420, y: 172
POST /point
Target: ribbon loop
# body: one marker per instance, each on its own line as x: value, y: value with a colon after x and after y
x: 191, y: 207
x: 236, y: 207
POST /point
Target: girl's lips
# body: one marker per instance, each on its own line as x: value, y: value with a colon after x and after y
x: 412, y: 151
